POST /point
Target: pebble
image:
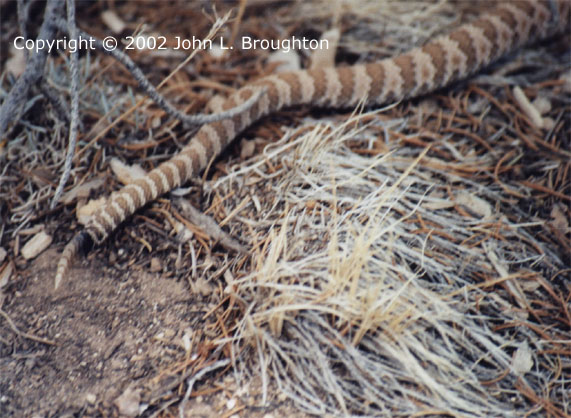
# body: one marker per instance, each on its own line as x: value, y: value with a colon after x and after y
x: 90, y: 398
x: 155, y: 265
x: 128, y: 402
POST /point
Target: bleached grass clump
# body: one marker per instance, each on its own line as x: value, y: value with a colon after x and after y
x: 362, y: 297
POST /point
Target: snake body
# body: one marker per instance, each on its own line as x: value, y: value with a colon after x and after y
x: 441, y: 61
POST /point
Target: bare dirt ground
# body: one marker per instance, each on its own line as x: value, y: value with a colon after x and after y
x: 112, y: 334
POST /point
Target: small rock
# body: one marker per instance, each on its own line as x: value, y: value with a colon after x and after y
x: 90, y: 398
x: 155, y: 265
x: 202, y: 287
x: 2, y: 254
x: 248, y: 148
x: 231, y: 404
x: 542, y: 105
x: 560, y: 218
x: 36, y: 245
x: 429, y: 106
x: 156, y: 122
x: 216, y: 51
x: 183, y: 233
x: 548, y: 123
x: 201, y: 410
x: 128, y: 402
x: 186, y: 342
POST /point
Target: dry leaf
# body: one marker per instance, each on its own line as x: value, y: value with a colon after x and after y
x: 566, y: 78
x: 17, y: 62
x: 560, y: 220
x: 82, y: 190
x: 288, y: 59
x: 475, y: 204
x: 113, y: 22
x: 247, y: 149
x: 542, y: 105
x: 36, y: 245
x: 124, y: 173
x: 531, y: 112
x: 5, y: 273
x: 522, y: 361
x: 325, y: 58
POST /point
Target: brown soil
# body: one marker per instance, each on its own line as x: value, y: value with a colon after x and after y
x: 110, y: 334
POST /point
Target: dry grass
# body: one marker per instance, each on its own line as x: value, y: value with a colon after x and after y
x: 373, y: 283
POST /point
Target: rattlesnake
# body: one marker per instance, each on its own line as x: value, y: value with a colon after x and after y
x: 441, y: 61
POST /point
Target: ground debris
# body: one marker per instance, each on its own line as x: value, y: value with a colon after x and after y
x: 36, y: 245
